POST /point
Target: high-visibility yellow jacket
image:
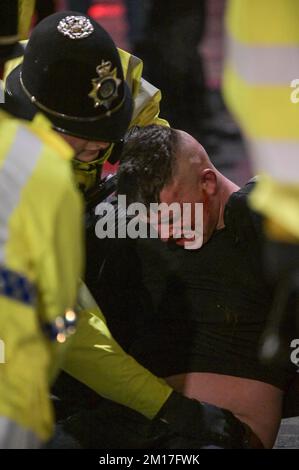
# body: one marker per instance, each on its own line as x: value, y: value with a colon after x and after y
x: 40, y: 263
x: 262, y: 62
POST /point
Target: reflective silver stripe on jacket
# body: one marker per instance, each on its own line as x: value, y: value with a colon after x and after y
x: 12, y: 436
x: 278, y: 158
x: 146, y: 92
x: 133, y: 63
x: 264, y: 65
x: 17, y: 168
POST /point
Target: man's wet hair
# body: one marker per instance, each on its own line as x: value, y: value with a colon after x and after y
x: 147, y: 164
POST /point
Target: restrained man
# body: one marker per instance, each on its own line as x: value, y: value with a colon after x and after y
x: 205, y: 309
x: 73, y: 74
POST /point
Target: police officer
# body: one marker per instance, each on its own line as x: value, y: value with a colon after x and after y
x: 40, y: 249
x: 73, y: 73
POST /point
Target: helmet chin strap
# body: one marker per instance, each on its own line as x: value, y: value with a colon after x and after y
x: 87, y: 174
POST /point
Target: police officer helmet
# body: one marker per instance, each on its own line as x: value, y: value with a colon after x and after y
x: 72, y: 73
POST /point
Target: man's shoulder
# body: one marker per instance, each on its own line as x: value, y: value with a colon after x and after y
x: 238, y: 200
x: 245, y: 190
x: 238, y: 215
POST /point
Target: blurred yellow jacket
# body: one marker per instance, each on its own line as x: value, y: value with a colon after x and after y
x: 261, y: 65
x: 40, y: 263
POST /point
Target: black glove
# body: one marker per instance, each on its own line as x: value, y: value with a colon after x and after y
x: 201, y: 422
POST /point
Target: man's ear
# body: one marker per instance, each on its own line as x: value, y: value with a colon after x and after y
x: 209, y: 181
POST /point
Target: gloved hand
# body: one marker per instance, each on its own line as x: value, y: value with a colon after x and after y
x: 201, y: 422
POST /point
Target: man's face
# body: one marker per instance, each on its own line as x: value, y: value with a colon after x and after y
x: 194, y: 182
x: 85, y: 150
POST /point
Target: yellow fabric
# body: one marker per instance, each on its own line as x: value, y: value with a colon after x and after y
x: 44, y: 244
x: 150, y: 112
x: 264, y: 110
x: 263, y: 21
x: 95, y: 359
x: 276, y: 232
x: 26, y: 9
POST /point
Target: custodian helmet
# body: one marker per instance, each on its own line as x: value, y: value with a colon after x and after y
x: 72, y: 73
